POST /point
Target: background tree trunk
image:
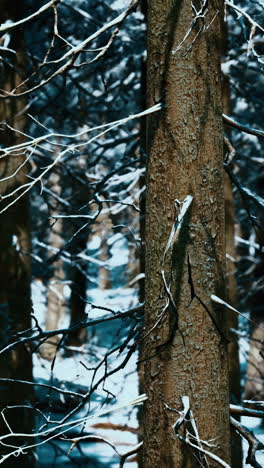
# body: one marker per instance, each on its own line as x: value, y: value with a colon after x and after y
x: 186, y: 353
x: 78, y: 269
x: 56, y: 309
x: 231, y: 292
x: 254, y: 388
x: 232, y: 320
x: 15, y: 263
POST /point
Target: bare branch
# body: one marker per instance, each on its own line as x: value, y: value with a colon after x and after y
x: 242, y: 411
x: 7, y: 26
x: 245, y: 14
x: 65, y: 331
x: 254, y: 443
x: 244, y: 128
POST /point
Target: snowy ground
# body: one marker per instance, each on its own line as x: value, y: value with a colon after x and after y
x: 69, y: 370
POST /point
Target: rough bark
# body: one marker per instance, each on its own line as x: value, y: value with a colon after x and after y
x: 186, y: 354
x: 142, y: 206
x: 15, y: 264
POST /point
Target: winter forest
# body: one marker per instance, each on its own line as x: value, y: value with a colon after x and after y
x: 131, y: 233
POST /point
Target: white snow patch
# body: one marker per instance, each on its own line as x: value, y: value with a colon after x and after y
x: 94, y: 243
x: 38, y: 290
x: 120, y: 4
x: 254, y: 424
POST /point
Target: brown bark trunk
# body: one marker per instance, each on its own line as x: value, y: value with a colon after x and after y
x: 142, y: 225
x: 185, y: 158
x: 15, y: 264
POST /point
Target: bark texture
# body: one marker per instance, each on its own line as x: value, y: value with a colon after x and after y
x: 185, y: 354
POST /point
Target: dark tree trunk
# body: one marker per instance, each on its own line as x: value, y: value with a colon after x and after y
x: 231, y: 296
x: 15, y: 264
x: 78, y: 270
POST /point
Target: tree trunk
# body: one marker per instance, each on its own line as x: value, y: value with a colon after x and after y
x: 185, y: 348
x: 232, y: 319
x: 15, y: 264
x: 254, y: 388
x: 78, y: 269
x: 56, y: 300
x: 231, y: 293
x: 105, y: 226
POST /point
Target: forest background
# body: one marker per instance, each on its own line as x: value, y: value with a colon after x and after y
x: 73, y: 179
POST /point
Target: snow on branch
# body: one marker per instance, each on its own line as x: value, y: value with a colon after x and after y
x: 19, y: 192
x: 71, y: 55
x: 191, y: 436
x: 8, y: 25
x: 245, y: 14
x: 38, y: 334
x: 58, y: 430
x: 220, y: 301
x: 244, y: 128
